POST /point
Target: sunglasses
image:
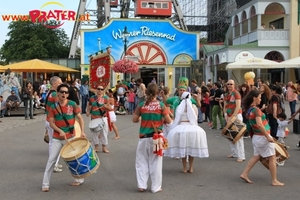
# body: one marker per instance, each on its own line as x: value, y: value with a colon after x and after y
x: 64, y: 92
x: 100, y: 89
x: 229, y: 84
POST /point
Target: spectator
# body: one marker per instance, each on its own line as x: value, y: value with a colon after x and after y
x: 2, y: 107
x: 27, y: 98
x: 291, y: 96
x: 84, y: 92
x: 12, y: 101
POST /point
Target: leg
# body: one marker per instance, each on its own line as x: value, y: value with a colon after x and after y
x: 184, y: 165
x: 31, y: 109
x: 103, y: 138
x: 220, y: 115
x: 155, y: 163
x: 95, y: 140
x: 240, y: 149
x: 191, y: 162
x: 56, y: 147
x: 249, y: 166
x: 26, y: 108
x: 274, y: 126
x: 273, y: 171
x: 141, y: 163
x: 115, y: 130
x: 214, y: 116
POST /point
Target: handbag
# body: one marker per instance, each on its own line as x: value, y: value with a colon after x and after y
x: 269, y: 108
x: 25, y: 96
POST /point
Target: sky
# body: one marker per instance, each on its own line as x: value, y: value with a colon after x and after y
x: 19, y: 7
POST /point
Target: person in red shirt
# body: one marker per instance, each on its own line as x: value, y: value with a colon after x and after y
x: 131, y: 98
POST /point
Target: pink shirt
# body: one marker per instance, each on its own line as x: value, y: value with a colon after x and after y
x: 131, y: 97
x: 291, y: 95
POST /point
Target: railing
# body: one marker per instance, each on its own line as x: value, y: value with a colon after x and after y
x: 264, y: 37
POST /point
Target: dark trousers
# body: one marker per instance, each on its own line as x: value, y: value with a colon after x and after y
x: 273, y: 125
x: 293, y: 106
x: 28, y: 108
x: 84, y: 100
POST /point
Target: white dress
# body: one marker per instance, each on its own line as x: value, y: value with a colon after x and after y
x: 112, y: 115
x: 186, y: 138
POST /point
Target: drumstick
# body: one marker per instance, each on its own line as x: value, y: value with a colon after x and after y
x: 69, y: 143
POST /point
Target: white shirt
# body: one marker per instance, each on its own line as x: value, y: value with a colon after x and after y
x: 281, y: 128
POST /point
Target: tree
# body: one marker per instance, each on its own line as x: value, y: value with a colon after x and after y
x: 29, y: 40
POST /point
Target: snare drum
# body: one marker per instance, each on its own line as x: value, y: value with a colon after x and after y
x: 82, y: 161
x: 281, y: 154
x: 234, y: 130
x: 96, y: 125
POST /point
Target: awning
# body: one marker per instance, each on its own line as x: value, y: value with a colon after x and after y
x: 37, y: 65
x: 254, y: 63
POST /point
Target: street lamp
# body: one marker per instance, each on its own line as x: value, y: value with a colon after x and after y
x: 125, y: 39
x: 126, y: 34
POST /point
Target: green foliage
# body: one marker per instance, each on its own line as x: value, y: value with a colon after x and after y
x: 29, y: 40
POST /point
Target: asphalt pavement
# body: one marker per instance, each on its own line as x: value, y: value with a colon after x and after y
x: 24, y: 155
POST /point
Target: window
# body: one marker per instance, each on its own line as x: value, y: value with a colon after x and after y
x: 144, y: 4
x: 165, y: 5
x: 158, y: 5
x: 279, y: 23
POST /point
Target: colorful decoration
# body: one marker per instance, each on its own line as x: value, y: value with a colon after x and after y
x: 249, y: 78
x: 125, y: 66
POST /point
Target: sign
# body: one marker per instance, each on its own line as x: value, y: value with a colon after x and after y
x: 42, y: 16
x: 243, y: 55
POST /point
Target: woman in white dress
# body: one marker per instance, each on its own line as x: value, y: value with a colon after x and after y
x: 112, y: 114
x: 186, y: 138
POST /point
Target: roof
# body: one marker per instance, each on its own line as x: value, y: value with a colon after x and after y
x: 212, y: 48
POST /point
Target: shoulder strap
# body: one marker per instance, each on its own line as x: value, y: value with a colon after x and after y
x: 50, y: 92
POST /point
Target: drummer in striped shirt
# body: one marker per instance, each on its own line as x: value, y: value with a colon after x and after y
x: 63, y: 128
x: 98, y: 107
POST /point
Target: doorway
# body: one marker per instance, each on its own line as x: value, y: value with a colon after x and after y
x: 148, y: 74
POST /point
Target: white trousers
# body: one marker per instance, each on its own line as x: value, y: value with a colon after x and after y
x: 237, y: 149
x: 55, y: 150
x: 103, y: 134
x: 148, y: 164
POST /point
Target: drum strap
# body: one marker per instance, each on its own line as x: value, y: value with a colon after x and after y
x: 71, y: 129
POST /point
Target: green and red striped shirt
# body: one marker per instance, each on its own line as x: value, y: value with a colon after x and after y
x: 231, y: 104
x: 151, y: 114
x: 69, y: 111
x: 256, y: 112
x: 97, y: 102
x: 51, y: 100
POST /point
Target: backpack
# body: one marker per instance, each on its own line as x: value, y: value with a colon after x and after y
x: 280, y: 107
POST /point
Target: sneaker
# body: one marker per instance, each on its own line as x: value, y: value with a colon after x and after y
x: 212, y: 128
x: 58, y: 166
x: 56, y: 169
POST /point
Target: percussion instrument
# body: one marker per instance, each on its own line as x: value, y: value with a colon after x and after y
x: 80, y: 157
x: 281, y: 155
x: 234, y: 130
x: 96, y: 125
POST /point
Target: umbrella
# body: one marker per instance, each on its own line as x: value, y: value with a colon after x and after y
x: 37, y: 65
x: 254, y: 63
x: 291, y: 63
x: 2, y: 69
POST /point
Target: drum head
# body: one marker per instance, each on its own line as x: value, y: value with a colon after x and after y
x: 80, y: 147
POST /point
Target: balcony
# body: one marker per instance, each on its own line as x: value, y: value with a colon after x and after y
x: 265, y: 38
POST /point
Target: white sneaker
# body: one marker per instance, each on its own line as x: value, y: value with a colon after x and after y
x: 56, y: 169
x: 58, y: 166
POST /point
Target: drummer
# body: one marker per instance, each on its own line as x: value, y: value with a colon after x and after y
x: 62, y: 119
x: 98, y: 107
x: 263, y: 143
x: 232, y: 108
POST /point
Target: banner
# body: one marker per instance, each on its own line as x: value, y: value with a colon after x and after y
x: 100, y: 70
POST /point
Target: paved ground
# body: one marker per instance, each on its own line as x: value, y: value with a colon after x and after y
x: 24, y: 155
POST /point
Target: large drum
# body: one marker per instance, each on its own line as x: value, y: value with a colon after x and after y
x: 82, y: 161
x: 96, y: 125
x: 281, y: 155
x: 234, y: 130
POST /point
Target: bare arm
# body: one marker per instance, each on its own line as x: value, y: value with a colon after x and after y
x: 81, y: 123
x: 262, y: 129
